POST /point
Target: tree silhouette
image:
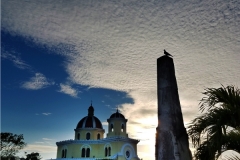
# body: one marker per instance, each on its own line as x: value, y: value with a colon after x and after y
x: 218, y: 128
x: 33, y: 156
x: 11, y: 144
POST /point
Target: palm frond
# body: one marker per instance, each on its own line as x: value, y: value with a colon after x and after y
x: 232, y: 140
x: 233, y: 157
x: 224, y: 96
x: 209, y: 131
x: 209, y: 124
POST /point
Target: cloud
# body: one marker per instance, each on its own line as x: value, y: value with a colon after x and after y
x: 39, y: 142
x: 40, y: 148
x: 37, y: 82
x: 67, y: 89
x: 46, y: 114
x: 45, y: 150
x: 47, y: 139
x: 105, y: 123
x: 17, y: 61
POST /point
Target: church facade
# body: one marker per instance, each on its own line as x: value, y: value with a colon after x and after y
x: 89, y: 142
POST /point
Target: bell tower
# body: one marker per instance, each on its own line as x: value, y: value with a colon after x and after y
x: 117, y: 125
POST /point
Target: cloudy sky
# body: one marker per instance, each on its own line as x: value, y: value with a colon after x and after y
x: 57, y: 56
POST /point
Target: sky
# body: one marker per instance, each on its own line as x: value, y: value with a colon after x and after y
x: 59, y: 56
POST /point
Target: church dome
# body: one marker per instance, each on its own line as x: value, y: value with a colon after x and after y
x: 90, y: 121
x: 117, y: 115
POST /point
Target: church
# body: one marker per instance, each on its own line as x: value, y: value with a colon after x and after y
x: 89, y: 142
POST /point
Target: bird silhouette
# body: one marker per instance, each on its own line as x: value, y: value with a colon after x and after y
x: 167, y: 54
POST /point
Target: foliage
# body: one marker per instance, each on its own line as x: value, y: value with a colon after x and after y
x: 232, y: 157
x: 33, y: 156
x: 217, y: 129
x: 11, y: 144
x: 8, y: 158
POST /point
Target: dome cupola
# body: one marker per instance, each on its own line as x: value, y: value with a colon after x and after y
x: 117, y: 115
x: 90, y: 121
x: 117, y: 125
x: 89, y: 127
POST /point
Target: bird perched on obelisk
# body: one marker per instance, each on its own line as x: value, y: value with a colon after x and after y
x: 167, y: 54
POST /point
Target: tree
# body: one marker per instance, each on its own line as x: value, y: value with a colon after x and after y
x: 33, y: 156
x: 218, y: 128
x: 11, y: 144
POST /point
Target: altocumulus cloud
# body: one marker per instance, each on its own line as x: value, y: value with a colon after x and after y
x: 39, y: 81
x: 46, y: 114
x: 67, y: 89
x: 17, y: 61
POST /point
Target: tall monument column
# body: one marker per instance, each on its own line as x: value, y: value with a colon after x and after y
x: 171, y: 137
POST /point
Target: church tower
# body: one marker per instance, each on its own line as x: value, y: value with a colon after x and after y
x: 117, y: 125
x: 171, y: 137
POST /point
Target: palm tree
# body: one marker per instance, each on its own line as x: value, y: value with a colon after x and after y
x: 218, y: 128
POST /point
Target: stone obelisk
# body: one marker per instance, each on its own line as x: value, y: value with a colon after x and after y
x: 171, y: 137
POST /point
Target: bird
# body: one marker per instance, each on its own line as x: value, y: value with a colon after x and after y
x: 167, y: 54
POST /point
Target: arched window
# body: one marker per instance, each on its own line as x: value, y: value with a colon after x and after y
x: 83, y: 152
x: 88, y: 136
x: 109, y: 151
x: 88, y: 152
x: 106, y: 152
x: 122, y: 128
x: 111, y: 127
x: 78, y: 136
x: 65, y: 153
x: 98, y: 136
